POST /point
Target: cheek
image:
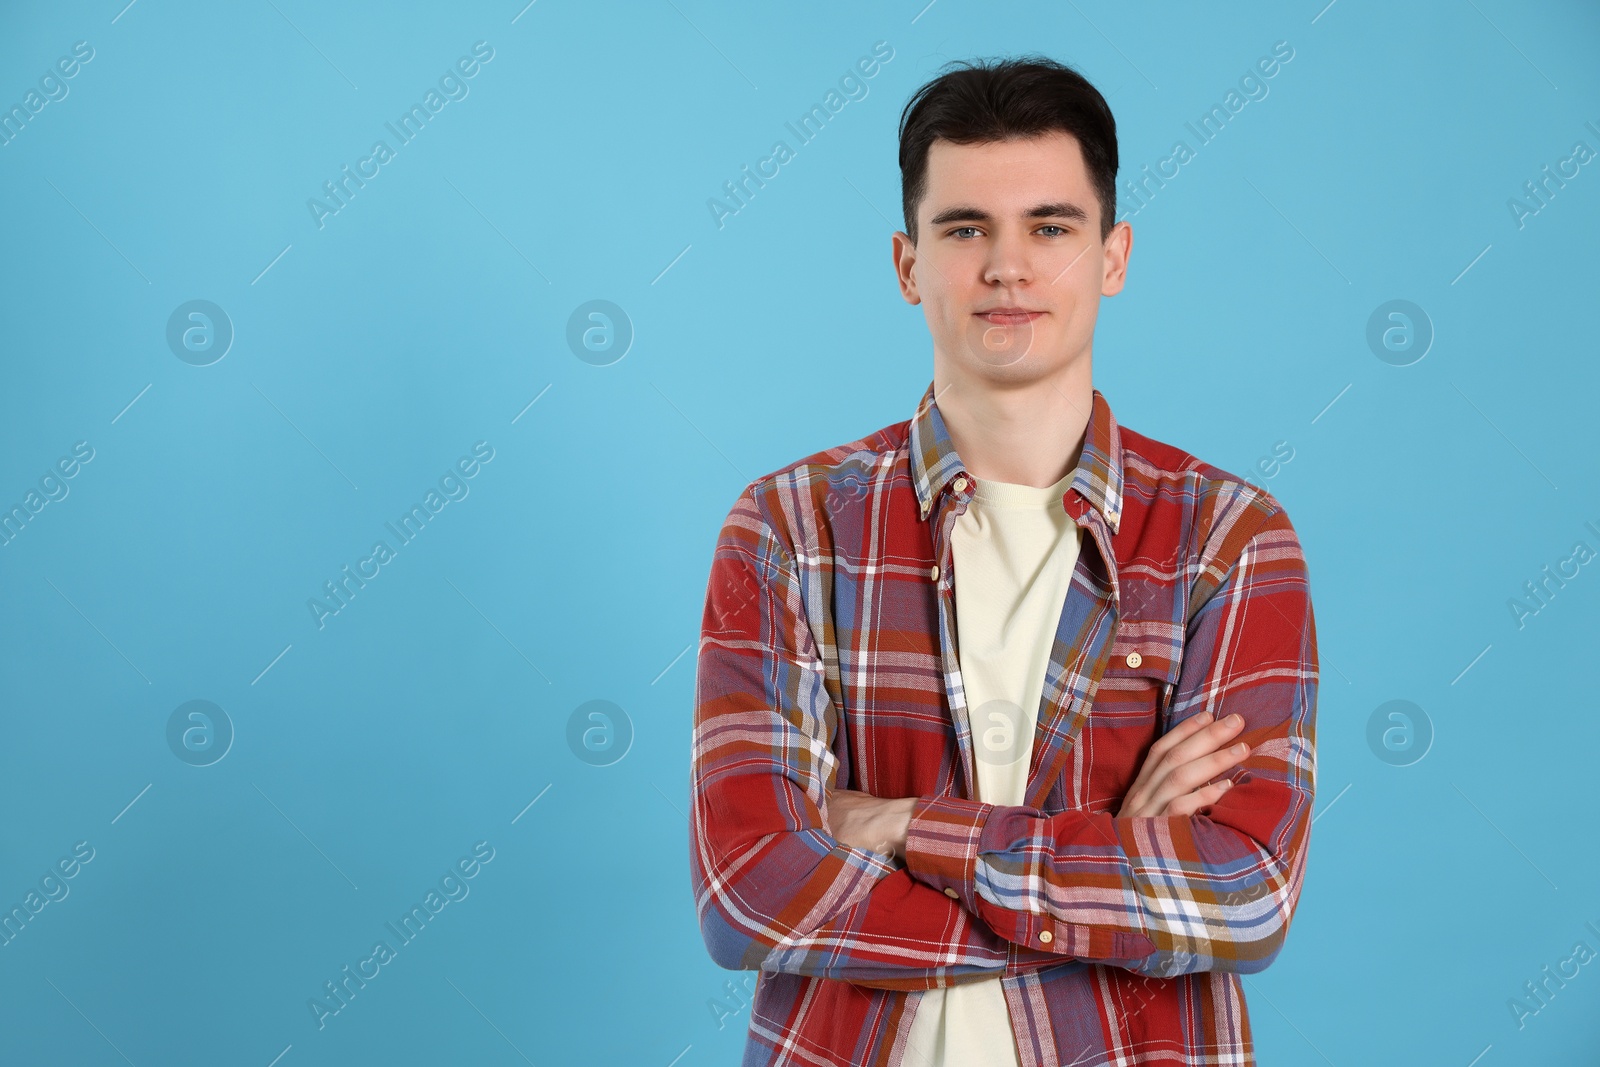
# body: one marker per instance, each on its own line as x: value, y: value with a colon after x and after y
x: 1080, y: 271
x: 942, y: 317
x: 938, y: 302
x: 956, y: 317
x: 1080, y: 287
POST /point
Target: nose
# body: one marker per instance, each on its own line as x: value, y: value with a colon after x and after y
x: 1008, y: 262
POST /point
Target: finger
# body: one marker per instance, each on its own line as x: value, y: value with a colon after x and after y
x: 1158, y: 762
x: 1195, y: 738
x: 1208, y: 739
x: 1179, y: 733
x: 1205, y: 796
x: 1185, y: 745
x: 1182, y: 780
x: 1190, y: 775
x: 1198, y: 760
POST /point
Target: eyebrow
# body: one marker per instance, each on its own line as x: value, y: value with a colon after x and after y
x: 1058, y: 209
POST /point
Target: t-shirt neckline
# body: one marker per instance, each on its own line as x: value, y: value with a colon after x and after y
x: 1012, y: 495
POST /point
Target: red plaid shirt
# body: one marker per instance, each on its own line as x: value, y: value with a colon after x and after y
x: 828, y: 658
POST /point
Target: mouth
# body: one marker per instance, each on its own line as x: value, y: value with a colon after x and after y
x: 1009, y: 316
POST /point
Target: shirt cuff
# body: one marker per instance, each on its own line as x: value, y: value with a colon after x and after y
x: 943, y: 841
x: 942, y: 845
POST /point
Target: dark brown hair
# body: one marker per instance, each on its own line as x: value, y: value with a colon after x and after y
x: 995, y: 100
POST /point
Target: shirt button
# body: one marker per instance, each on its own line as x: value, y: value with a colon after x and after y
x: 1046, y: 936
x: 951, y: 893
x: 1134, y: 659
x: 961, y: 483
x: 934, y: 573
x: 925, y: 506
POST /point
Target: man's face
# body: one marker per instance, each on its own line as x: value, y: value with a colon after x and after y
x: 1008, y: 266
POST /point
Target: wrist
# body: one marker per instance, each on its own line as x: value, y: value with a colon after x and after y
x: 904, y: 807
x: 942, y: 844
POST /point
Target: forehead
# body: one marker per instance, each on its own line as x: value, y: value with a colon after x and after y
x: 1021, y: 167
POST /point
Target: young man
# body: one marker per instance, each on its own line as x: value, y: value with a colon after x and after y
x: 966, y: 685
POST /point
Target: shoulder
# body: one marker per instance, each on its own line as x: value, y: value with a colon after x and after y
x: 1209, y: 515
x: 798, y: 500
x: 1156, y: 471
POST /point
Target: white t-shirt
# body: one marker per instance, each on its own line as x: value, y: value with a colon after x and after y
x: 1014, y: 550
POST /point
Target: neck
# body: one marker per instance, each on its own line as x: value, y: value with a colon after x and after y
x: 1026, y: 433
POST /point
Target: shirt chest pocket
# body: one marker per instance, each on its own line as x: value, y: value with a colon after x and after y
x: 1130, y: 710
x: 1141, y: 675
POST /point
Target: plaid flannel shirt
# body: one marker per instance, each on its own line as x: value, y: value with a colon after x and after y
x: 828, y: 659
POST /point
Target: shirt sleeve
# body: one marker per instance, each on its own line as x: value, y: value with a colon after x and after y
x: 1164, y: 896
x: 773, y: 889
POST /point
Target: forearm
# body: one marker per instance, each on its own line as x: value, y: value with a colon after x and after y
x: 1160, y: 896
x: 773, y: 888
x: 1171, y: 894
x: 800, y: 902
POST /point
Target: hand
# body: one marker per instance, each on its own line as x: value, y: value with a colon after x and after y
x: 869, y: 822
x: 1172, y: 778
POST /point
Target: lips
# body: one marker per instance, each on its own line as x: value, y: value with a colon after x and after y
x: 1009, y: 316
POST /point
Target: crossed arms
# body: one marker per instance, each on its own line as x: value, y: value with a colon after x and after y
x: 784, y: 880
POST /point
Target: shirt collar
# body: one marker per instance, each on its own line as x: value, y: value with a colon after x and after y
x: 1098, y: 476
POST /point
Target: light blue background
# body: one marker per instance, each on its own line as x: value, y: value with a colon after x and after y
x: 428, y: 313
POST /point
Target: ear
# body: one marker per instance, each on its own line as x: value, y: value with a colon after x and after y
x: 904, y: 255
x: 1118, y: 247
